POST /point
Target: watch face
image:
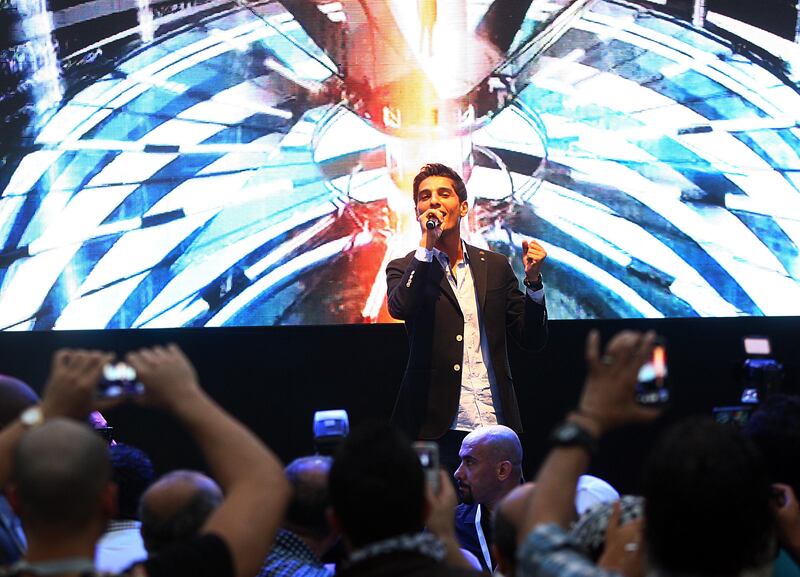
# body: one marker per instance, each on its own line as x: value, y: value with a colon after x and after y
x: 31, y: 416
x: 567, y: 432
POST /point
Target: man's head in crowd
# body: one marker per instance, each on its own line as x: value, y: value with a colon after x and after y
x: 15, y: 397
x: 176, y: 507
x: 504, y: 527
x: 133, y: 472
x: 377, y: 487
x: 61, y: 483
x: 306, y: 515
x: 707, y: 502
x: 491, y: 465
x: 775, y: 429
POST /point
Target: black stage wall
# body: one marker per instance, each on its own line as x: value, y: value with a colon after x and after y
x: 274, y: 379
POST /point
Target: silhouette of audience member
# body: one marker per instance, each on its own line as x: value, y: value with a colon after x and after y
x: 583, y: 534
x: 379, y: 505
x: 121, y: 545
x: 61, y: 471
x: 306, y: 534
x: 775, y: 429
x: 15, y: 397
x: 175, y: 508
x: 705, y: 487
x: 504, y: 527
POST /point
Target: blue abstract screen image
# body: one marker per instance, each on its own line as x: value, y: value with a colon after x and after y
x: 217, y: 163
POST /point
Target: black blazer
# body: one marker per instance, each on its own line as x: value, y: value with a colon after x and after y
x: 420, y: 294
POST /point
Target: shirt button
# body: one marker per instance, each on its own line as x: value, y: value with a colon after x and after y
x: 456, y: 368
x: 459, y: 338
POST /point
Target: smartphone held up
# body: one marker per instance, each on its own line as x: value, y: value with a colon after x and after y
x: 652, y: 388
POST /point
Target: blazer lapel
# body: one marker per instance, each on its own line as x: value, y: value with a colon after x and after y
x: 438, y: 276
x: 477, y: 264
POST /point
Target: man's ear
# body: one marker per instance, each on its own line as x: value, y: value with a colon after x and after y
x: 502, y: 563
x: 464, y: 208
x: 504, y: 469
x: 108, y: 500
x: 336, y: 527
x: 12, y: 495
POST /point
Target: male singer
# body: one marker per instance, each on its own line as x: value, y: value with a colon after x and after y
x: 459, y: 304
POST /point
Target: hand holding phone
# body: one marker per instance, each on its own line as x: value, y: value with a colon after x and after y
x: 428, y: 453
x: 118, y: 380
x: 652, y: 389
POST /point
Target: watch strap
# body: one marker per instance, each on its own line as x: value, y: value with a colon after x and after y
x: 534, y: 285
x: 571, y: 434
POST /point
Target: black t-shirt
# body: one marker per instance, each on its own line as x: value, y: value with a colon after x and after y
x: 203, y: 556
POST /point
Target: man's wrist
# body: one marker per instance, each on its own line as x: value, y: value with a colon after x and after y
x: 589, y: 421
x: 535, y: 283
x: 575, y: 432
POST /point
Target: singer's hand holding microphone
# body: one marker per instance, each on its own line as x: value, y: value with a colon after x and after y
x: 431, y: 222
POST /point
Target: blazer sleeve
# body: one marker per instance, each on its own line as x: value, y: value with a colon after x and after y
x: 526, y: 320
x: 405, y: 286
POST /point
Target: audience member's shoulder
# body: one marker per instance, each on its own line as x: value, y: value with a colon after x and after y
x: 465, y: 513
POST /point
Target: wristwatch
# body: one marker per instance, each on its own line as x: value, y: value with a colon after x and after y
x: 534, y: 285
x: 571, y: 434
x: 32, y: 417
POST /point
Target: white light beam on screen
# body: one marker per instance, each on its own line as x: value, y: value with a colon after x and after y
x: 597, y: 276
x: 296, y: 265
x: 145, y: 17
x: 37, y: 22
x: 287, y: 73
x: 673, y: 49
x: 49, y: 255
x: 107, y: 286
x: 715, y: 229
x: 395, y: 247
x: 765, y: 185
x: 161, y: 312
x: 620, y: 239
x: 93, y: 105
x: 781, y: 47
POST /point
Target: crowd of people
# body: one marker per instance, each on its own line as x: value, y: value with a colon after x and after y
x: 717, y: 500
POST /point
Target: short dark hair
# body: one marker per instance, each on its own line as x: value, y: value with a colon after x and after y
x: 307, y: 509
x: 60, y: 471
x: 436, y: 169
x: 15, y: 397
x: 707, y: 501
x: 377, y: 487
x: 775, y: 429
x: 132, y: 471
x: 504, y: 534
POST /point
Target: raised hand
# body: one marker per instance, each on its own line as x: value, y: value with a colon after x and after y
x: 431, y: 235
x: 533, y: 255
x: 608, y: 396
x: 624, y: 550
x: 70, y: 388
x: 167, y: 375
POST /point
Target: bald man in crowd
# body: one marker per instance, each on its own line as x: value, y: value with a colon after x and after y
x: 176, y: 507
x: 491, y: 467
x: 15, y: 397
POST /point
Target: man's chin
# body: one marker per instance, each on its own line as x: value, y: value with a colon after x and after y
x: 465, y: 498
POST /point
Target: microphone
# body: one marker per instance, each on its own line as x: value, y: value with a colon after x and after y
x: 432, y: 223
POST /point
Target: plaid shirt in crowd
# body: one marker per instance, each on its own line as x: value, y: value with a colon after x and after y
x: 548, y: 552
x: 290, y: 557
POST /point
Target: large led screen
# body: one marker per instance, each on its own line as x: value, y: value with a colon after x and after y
x: 215, y: 163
